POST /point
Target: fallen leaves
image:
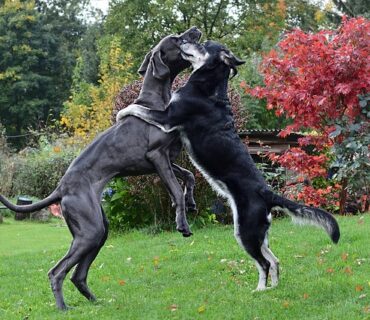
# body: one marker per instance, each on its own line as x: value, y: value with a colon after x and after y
x: 201, y: 308
x: 172, y: 307
x: 348, y: 270
x: 235, y: 267
x: 344, y: 256
x: 359, y: 288
x: 156, y: 262
x: 361, y: 220
x: 330, y: 270
x: 286, y: 304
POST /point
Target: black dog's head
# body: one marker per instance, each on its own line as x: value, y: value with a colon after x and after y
x: 165, y: 58
x: 210, y: 55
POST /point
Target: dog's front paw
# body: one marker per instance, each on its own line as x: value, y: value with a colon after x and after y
x: 185, y: 230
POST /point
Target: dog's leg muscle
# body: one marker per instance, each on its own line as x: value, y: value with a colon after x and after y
x: 85, y: 222
x: 79, y: 276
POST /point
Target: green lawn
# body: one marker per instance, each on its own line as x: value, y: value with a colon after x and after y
x: 207, y: 276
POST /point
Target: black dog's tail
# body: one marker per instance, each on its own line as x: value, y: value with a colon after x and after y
x: 52, y: 198
x: 303, y: 214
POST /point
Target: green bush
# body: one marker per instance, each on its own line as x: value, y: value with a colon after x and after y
x: 38, y: 171
x: 143, y: 202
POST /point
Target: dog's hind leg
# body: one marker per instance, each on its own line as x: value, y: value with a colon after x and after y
x: 79, y: 276
x: 251, y: 235
x: 86, y: 225
x: 274, y: 261
x: 188, y: 178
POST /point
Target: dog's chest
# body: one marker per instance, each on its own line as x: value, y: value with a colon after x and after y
x: 217, y: 185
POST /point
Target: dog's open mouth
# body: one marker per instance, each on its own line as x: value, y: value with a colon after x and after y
x: 185, y: 54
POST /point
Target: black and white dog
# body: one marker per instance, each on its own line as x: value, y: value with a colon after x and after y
x: 201, y: 112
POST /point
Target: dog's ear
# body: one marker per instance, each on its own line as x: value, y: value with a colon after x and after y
x: 145, y: 63
x: 228, y: 58
x: 160, y: 69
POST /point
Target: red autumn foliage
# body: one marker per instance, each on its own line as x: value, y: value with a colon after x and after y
x: 314, y: 79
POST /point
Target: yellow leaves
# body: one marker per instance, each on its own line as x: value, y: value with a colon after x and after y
x: 201, y: 308
x: 57, y: 149
x: 329, y: 5
x: 9, y: 74
x: 85, y: 120
x: 156, y: 262
x: 12, y: 5
x: 281, y: 8
x: 64, y: 121
x: 319, y: 16
x: 24, y: 48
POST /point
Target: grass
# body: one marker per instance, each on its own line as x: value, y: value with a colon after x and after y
x: 207, y: 276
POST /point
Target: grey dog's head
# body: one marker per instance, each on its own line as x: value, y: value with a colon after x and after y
x: 209, y: 55
x: 165, y: 58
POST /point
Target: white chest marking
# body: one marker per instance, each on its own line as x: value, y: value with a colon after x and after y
x: 217, y: 185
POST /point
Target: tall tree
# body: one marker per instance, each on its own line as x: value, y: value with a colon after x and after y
x: 245, y: 26
x: 37, y: 56
x: 24, y: 76
x: 64, y: 21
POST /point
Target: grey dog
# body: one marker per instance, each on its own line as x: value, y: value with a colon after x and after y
x: 131, y: 147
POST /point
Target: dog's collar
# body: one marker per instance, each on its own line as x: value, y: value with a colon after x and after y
x: 222, y: 100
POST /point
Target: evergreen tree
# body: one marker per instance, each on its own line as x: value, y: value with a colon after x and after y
x: 38, y: 51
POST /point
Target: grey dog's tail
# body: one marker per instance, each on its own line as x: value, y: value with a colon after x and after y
x: 303, y: 214
x: 52, y: 198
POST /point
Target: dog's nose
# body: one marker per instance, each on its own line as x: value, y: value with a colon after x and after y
x: 194, y: 33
